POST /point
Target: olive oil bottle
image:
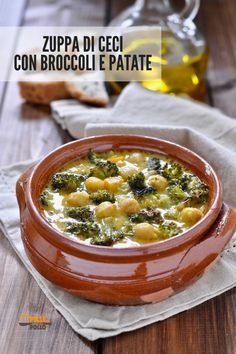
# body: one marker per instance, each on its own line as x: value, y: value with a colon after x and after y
x: 182, y: 68
x: 183, y: 52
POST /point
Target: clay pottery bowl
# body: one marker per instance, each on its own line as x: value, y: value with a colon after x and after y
x: 122, y: 276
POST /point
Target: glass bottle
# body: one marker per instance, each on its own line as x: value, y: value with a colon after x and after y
x: 184, y: 52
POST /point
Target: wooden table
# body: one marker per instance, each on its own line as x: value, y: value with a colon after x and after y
x: 27, y: 132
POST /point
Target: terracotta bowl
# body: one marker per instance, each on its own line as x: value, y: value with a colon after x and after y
x: 124, y: 276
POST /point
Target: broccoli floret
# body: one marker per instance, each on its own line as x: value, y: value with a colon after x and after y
x: 172, y: 171
x: 67, y: 182
x: 104, y: 169
x: 145, y: 191
x: 196, y: 189
x: 92, y: 156
x: 138, y: 186
x: 149, y: 200
x: 169, y: 229
x: 109, y: 237
x: 101, y: 240
x: 154, y: 164
x: 199, y: 191
x: 176, y: 193
x: 184, y: 181
x: 102, y: 196
x: 85, y: 228
x: 81, y: 213
x: 137, y: 182
x: 127, y: 230
x: 149, y: 215
x: 169, y: 171
x: 46, y: 198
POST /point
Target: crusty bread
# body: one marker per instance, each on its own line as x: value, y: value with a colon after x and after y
x: 43, y: 92
x: 43, y: 88
x: 88, y: 91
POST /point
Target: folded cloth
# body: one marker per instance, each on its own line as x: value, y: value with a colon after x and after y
x: 137, y: 105
x: 155, y: 116
x: 204, y: 130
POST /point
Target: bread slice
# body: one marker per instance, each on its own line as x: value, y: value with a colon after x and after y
x: 88, y: 89
x: 42, y: 88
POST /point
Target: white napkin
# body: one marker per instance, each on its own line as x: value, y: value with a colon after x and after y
x: 136, y: 105
x: 204, y: 130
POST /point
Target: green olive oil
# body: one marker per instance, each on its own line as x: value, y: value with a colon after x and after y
x: 183, y: 65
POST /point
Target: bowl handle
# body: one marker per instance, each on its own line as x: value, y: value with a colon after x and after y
x: 202, y: 254
x: 232, y: 217
x: 21, y: 187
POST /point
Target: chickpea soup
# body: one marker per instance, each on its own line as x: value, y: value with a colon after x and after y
x: 123, y: 198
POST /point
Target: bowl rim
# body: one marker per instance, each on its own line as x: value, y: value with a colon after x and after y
x: 191, y: 234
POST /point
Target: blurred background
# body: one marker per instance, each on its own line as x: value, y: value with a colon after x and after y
x: 215, y: 19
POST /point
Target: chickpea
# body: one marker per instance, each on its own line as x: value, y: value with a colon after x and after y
x: 105, y: 209
x: 127, y: 171
x: 129, y: 206
x: 158, y: 182
x: 112, y: 183
x: 77, y: 199
x: 93, y: 184
x: 191, y: 215
x: 144, y: 232
x: 136, y: 157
